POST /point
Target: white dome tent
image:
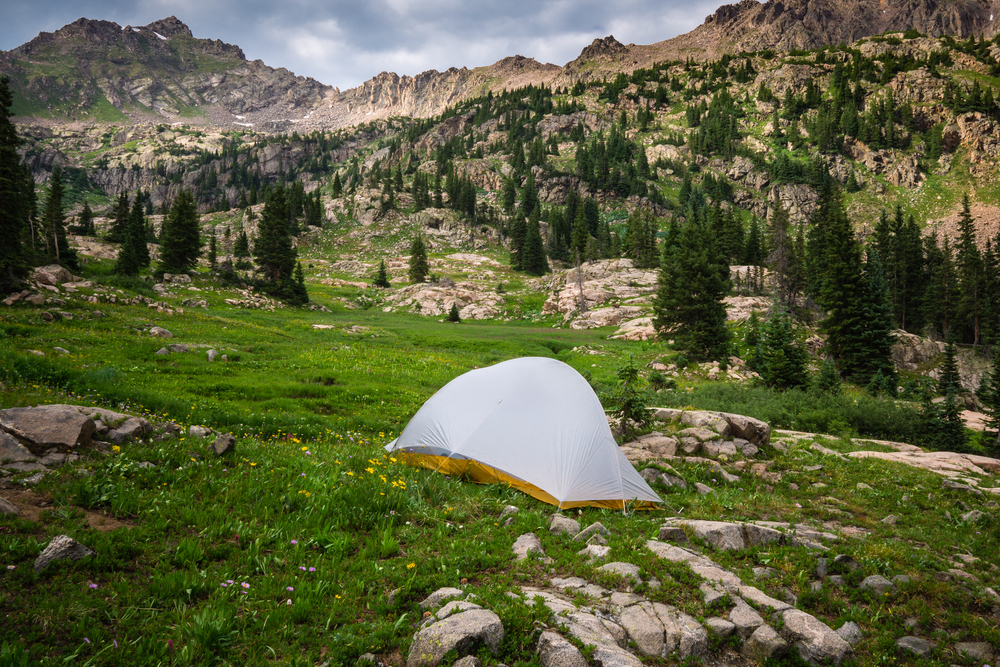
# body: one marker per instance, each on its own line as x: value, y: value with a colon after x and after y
x: 533, y: 423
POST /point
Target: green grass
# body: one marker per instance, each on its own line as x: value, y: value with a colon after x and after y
x: 309, y: 486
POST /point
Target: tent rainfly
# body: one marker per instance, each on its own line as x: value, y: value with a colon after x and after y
x: 533, y: 423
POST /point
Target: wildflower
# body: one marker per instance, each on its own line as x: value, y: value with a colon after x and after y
x: 295, y: 542
x: 302, y: 567
x: 337, y: 596
x: 224, y: 585
x: 304, y: 449
x: 86, y: 640
x: 115, y: 642
x: 312, y: 569
x: 797, y: 505
x: 11, y: 567
x: 115, y: 448
x: 230, y: 581
x: 252, y: 464
x: 289, y: 589
x: 288, y: 601
x: 308, y: 453
x: 245, y: 585
x: 92, y: 586
x: 410, y: 566
x: 303, y: 474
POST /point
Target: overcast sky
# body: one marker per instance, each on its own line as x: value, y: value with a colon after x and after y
x: 345, y: 42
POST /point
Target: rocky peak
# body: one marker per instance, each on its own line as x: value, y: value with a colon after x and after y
x: 169, y: 27
x: 608, y: 46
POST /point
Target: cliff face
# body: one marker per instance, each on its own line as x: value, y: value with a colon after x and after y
x: 99, y: 69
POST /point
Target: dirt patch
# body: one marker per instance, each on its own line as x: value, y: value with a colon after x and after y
x: 987, y: 222
x: 31, y: 505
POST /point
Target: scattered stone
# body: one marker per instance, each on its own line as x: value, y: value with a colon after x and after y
x: 596, y: 528
x: 877, y: 584
x: 599, y: 540
x: 212, y: 354
x: 439, y: 596
x: 160, y: 332
x: 890, y: 520
x: 973, y: 516
x: 816, y: 642
x: 644, y: 628
x: 837, y: 580
x: 846, y: 562
x: 60, y: 350
x: 764, y: 644
x: 595, y: 552
x: 11, y: 451
x: 719, y: 626
x: 949, y: 484
x: 554, y: 651
x: 901, y: 579
x: 916, y: 646
x: 980, y: 652
x: 560, y: 524
x: 703, y: 489
x: 674, y: 534
x: 179, y: 347
x: 463, y: 633
x: 850, y: 633
x: 61, y: 548
x: 7, y: 507
x: 468, y: 661
x: 26, y: 466
x: 626, y: 570
x: 744, y: 618
x: 48, y: 425
x: 162, y: 351
x: 822, y: 567
x: 710, y: 593
x: 199, y: 432
x: 861, y: 486
x: 528, y: 544
x: 508, y: 514
x: 224, y: 444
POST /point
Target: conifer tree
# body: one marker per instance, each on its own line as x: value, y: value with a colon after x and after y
x: 578, y: 242
x: 213, y: 251
x: 940, y: 300
x: 989, y: 394
x: 509, y: 195
x: 453, y: 315
x: 241, y: 248
x: 337, y: 188
x: 781, y: 259
x: 297, y: 287
x: 949, y: 380
x: 692, y: 282
x: 518, y: 235
x: 875, y: 345
x: 828, y: 380
x: 14, y: 198
x: 86, y: 220
x: 382, y: 277
x: 272, y: 249
x: 54, y: 224
x: 418, y: 260
x: 783, y: 364
x: 180, y: 239
x: 133, y: 254
x: 969, y: 265
x: 117, y: 232
x: 533, y: 258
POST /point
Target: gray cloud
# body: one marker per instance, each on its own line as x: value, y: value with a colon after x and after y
x: 344, y: 43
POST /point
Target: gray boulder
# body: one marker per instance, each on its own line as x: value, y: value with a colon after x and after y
x: 555, y: 651
x: 61, y: 548
x: 507, y: 516
x: 744, y: 618
x: 559, y: 524
x: 981, y: 652
x: 7, y: 507
x: 224, y: 444
x: 763, y: 644
x: 719, y: 627
x: 644, y: 628
x: 596, y: 528
x: 440, y: 595
x: 464, y: 633
x: 626, y: 570
x: 468, y: 661
x: 528, y: 544
x: 877, y: 584
x: 199, y: 432
x: 11, y: 451
x: 850, y: 633
x: 816, y: 641
x: 160, y: 332
x: 48, y: 425
x: 916, y: 646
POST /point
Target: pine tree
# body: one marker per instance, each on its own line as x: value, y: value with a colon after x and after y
x: 14, y: 198
x: 54, y: 224
x: 213, y: 251
x: 86, y: 220
x: 337, y: 189
x: 692, y: 282
x: 783, y: 364
x: 518, y: 235
x: 453, y: 315
x: 828, y: 380
x: 133, y: 255
x: 842, y: 289
x: 940, y: 300
x: 989, y: 394
x: 969, y: 265
x: 180, y: 239
x: 298, y: 294
x: 630, y: 410
x: 781, y: 258
x: 272, y: 249
x: 949, y: 380
x: 533, y: 260
x: 875, y: 345
x: 382, y: 277
x: 418, y: 260
x: 117, y: 232
x: 509, y: 195
x: 241, y: 248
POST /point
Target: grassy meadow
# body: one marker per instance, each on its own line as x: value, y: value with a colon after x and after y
x: 311, y: 546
